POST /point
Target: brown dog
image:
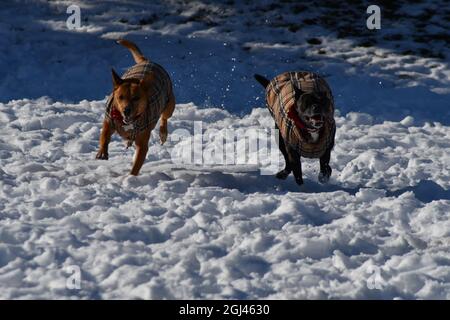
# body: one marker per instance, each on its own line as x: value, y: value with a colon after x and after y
x: 140, y: 97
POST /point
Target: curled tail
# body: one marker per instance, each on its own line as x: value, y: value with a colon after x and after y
x: 264, y: 81
x: 137, y: 55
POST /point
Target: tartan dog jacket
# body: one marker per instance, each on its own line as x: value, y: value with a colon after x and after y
x: 157, y: 99
x: 281, y: 102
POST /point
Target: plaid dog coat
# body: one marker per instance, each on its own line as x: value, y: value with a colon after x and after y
x: 280, y: 98
x: 157, y: 99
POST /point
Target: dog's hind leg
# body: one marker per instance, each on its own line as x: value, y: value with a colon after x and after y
x: 165, y: 115
x: 105, y: 138
x: 283, y: 174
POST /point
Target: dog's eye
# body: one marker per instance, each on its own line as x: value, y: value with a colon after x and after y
x: 121, y: 97
x: 136, y: 98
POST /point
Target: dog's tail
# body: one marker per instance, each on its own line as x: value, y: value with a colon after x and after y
x: 137, y: 55
x: 264, y: 81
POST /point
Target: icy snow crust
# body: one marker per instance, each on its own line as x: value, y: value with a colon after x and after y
x: 185, y: 231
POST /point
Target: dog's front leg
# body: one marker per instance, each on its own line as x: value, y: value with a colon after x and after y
x: 105, y: 138
x: 325, y: 169
x: 283, y: 174
x: 141, y: 152
x: 296, y: 165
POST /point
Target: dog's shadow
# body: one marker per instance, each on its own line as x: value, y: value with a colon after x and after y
x: 253, y: 182
x: 426, y: 191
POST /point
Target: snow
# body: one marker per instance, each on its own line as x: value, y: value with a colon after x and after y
x: 196, y: 232
x: 188, y: 231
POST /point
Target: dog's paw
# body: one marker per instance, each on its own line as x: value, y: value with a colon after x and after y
x: 299, y: 181
x: 102, y: 155
x: 324, y: 176
x: 283, y: 174
x: 162, y: 136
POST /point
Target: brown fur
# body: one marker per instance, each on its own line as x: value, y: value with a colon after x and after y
x: 131, y: 92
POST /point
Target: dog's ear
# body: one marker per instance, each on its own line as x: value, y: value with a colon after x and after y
x: 117, y: 81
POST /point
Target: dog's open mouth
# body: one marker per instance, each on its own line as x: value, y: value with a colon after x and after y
x: 313, y: 129
x: 314, y: 123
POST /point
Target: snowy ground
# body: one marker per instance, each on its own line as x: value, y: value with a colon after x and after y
x: 185, y: 231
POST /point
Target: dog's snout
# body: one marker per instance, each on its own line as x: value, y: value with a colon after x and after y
x: 127, y: 111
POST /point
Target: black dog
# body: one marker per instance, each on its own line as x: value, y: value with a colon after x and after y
x: 302, y: 106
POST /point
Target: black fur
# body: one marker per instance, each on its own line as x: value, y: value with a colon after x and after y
x: 292, y: 157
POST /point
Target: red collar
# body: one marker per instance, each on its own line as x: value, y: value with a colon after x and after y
x: 294, y: 116
x: 116, y: 115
